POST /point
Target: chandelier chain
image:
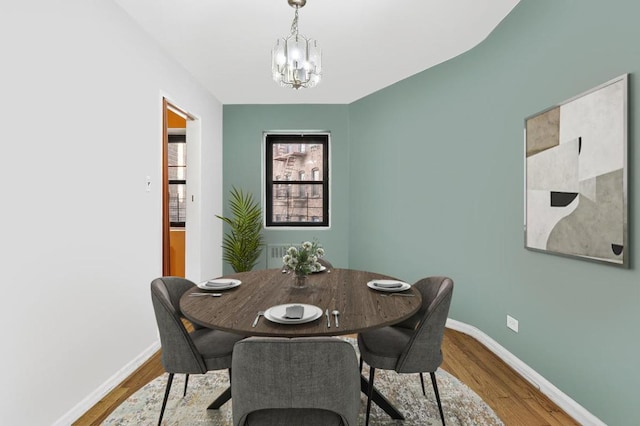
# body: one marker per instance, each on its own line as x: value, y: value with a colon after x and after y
x: 294, y: 24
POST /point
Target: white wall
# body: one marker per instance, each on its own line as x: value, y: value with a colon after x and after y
x: 81, y: 87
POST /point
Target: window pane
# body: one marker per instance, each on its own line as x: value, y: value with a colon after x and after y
x: 295, y: 161
x: 177, y: 161
x: 177, y: 173
x: 177, y: 204
x: 297, y: 202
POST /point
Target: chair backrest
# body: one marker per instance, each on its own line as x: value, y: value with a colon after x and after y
x: 325, y: 263
x: 179, y: 354
x: 278, y: 378
x: 423, y: 350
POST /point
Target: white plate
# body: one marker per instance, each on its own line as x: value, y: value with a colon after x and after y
x: 384, y: 285
x: 219, y: 284
x: 322, y: 269
x: 276, y: 314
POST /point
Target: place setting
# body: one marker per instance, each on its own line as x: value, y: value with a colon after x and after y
x: 390, y: 287
x: 296, y: 313
x: 293, y: 313
x: 216, y: 285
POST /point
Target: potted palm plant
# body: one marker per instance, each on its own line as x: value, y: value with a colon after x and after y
x: 243, y: 243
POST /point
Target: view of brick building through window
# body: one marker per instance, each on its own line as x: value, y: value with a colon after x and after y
x: 298, y: 182
x: 177, y: 163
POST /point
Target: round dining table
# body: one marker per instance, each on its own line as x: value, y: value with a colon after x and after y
x: 241, y: 309
x: 359, y: 307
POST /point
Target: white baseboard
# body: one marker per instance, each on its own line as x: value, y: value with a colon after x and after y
x: 94, y: 397
x: 562, y: 400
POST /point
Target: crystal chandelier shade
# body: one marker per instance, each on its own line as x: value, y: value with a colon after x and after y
x: 296, y: 61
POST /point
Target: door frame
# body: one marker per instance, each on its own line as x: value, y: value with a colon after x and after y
x: 167, y: 106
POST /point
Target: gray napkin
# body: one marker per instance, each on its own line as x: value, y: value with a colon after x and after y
x: 387, y: 285
x: 217, y: 284
x: 294, y: 312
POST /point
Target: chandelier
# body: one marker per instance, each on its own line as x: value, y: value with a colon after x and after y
x: 296, y: 61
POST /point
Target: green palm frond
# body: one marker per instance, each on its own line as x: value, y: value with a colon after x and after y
x: 243, y: 244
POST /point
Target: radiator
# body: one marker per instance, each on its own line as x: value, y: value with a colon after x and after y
x: 275, y: 252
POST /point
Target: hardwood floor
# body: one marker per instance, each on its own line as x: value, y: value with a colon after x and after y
x: 148, y: 371
x: 514, y: 400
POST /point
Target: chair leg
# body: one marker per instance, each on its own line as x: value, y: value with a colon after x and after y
x: 435, y: 389
x: 422, y: 383
x: 371, y: 376
x: 361, y: 365
x: 166, y: 396
x: 186, y: 381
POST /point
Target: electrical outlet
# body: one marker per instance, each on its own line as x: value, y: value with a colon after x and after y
x: 512, y: 323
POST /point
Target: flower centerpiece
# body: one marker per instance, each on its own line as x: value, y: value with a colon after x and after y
x: 303, y: 260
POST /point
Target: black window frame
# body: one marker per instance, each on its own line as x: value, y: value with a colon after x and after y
x: 319, y: 138
x: 177, y: 138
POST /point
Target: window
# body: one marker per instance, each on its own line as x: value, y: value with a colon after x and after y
x: 291, y: 199
x: 177, y: 162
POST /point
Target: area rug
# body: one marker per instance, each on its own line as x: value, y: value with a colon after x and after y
x: 460, y: 404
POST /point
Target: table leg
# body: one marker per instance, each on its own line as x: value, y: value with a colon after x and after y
x: 380, y: 400
x: 224, y: 397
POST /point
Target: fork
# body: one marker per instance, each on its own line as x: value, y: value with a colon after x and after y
x: 255, y: 321
x: 206, y: 294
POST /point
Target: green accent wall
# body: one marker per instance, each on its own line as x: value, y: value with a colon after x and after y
x: 427, y: 179
x: 445, y: 195
x: 243, y: 127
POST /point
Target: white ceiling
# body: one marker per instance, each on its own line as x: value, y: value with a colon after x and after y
x: 367, y: 44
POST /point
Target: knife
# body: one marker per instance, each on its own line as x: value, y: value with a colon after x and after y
x: 328, y: 318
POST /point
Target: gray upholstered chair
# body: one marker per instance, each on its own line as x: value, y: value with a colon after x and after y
x: 182, y: 352
x: 325, y: 263
x: 301, y: 381
x: 412, y: 346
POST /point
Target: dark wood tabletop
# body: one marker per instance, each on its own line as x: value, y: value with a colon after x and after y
x: 361, y: 308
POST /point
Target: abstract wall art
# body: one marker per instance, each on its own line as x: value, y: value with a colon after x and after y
x: 576, y: 176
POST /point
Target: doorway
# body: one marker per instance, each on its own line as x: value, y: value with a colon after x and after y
x: 174, y: 189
